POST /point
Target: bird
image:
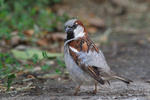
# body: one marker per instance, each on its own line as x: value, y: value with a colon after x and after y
x: 85, y: 63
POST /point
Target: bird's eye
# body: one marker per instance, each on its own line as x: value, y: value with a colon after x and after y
x: 75, y: 25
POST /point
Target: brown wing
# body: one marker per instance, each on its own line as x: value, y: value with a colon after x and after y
x: 93, y: 71
x: 84, y: 45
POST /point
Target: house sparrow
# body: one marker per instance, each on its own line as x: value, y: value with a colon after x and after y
x: 84, y: 61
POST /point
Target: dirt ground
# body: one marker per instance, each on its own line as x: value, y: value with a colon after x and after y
x: 127, y: 52
x: 131, y: 61
x: 117, y: 91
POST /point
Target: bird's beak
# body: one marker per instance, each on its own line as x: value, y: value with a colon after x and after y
x: 68, y: 30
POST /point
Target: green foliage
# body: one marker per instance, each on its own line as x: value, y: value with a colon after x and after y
x: 35, y: 58
x: 45, y: 67
x: 44, y: 54
x: 9, y: 64
x: 10, y: 79
x: 22, y: 15
x: 29, y: 67
x: 34, y: 53
x: 58, y: 71
x: 60, y: 62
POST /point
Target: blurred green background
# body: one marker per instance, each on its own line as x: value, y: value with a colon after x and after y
x: 24, y: 22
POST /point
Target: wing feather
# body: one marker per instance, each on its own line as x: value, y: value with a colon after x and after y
x: 88, y: 58
x: 92, y: 61
x: 95, y: 75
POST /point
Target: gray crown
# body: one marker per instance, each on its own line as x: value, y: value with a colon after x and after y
x: 70, y: 22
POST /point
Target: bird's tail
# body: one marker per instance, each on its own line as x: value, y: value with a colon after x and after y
x: 125, y: 80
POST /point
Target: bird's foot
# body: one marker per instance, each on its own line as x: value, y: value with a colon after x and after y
x: 94, y: 91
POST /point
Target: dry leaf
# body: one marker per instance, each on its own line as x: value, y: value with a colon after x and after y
x: 148, y: 38
x: 42, y: 42
x: 14, y: 33
x: 58, y: 36
x: 105, y: 36
x: 19, y: 73
x: 140, y: 42
x: 36, y: 69
x: 96, y: 22
x: 51, y: 76
x: 15, y: 40
x: 29, y: 32
x: 92, y: 29
x: 31, y: 76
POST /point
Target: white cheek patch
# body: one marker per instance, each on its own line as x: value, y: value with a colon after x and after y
x: 73, y: 49
x: 79, y: 32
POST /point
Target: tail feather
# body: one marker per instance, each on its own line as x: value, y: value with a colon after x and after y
x: 127, y: 81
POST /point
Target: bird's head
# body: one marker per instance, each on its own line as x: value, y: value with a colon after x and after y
x: 74, y: 29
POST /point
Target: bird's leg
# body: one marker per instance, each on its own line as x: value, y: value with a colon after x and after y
x: 95, y: 90
x: 108, y: 83
x: 77, y: 89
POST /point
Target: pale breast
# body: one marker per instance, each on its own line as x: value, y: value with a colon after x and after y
x: 76, y: 73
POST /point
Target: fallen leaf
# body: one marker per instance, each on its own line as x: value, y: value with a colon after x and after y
x: 29, y: 32
x: 19, y: 73
x: 29, y: 53
x: 15, y: 40
x: 36, y: 69
x: 42, y: 42
x: 31, y: 76
x: 92, y: 29
x: 58, y: 36
x: 51, y: 76
x: 148, y: 38
x: 28, y: 87
x: 140, y: 42
x: 96, y: 22
x: 105, y: 36
x: 14, y: 33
